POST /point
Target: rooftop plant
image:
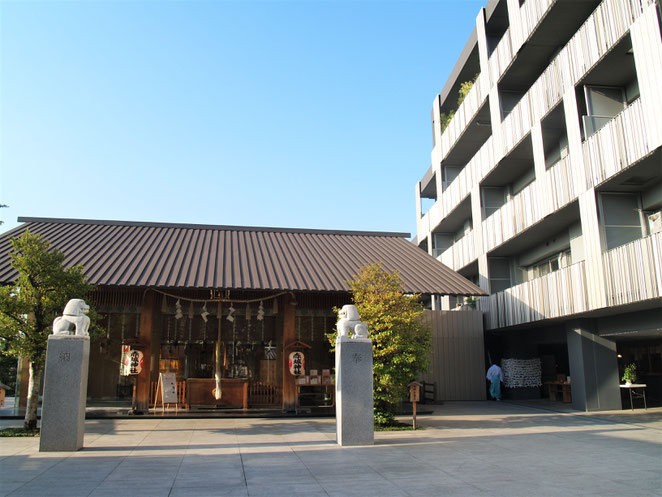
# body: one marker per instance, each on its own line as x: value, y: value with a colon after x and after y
x: 465, y: 88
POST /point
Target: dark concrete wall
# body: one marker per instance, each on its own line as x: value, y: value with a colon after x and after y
x: 593, y: 368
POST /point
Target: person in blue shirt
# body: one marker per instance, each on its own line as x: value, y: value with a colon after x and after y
x: 495, y: 375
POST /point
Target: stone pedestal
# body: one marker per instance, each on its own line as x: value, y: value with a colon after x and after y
x: 354, y: 403
x: 65, y: 391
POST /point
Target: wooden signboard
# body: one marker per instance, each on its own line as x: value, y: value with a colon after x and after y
x: 167, y: 389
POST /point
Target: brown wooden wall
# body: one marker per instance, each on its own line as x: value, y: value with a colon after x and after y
x: 457, y: 364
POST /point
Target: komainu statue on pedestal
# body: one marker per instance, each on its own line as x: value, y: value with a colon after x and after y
x: 349, y: 320
x: 73, y: 318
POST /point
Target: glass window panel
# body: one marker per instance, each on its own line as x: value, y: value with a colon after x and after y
x: 499, y: 268
x: 620, y: 236
x: 620, y: 210
x: 497, y: 285
x: 604, y: 101
x: 493, y: 197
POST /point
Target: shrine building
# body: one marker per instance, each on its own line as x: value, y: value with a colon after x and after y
x: 222, y: 307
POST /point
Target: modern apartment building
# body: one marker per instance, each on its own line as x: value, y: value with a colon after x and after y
x: 545, y: 188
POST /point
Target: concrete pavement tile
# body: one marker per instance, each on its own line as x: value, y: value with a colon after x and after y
x: 283, y: 489
x: 282, y: 478
x: 350, y: 479
x: 367, y: 488
x: 210, y: 481
x: 211, y: 491
x: 143, y: 492
x: 410, y: 484
x: 63, y: 489
x: 446, y: 491
x: 8, y: 487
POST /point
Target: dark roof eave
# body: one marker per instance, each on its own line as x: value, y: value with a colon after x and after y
x: 125, y: 254
x: 101, y: 222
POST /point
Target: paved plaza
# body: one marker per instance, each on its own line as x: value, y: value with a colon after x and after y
x: 467, y: 449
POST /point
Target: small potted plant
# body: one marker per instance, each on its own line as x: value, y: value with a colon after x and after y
x: 630, y: 374
x: 470, y: 302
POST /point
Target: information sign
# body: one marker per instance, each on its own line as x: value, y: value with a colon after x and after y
x: 169, y: 388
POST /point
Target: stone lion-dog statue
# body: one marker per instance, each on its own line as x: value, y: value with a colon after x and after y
x: 73, y: 318
x: 349, y: 320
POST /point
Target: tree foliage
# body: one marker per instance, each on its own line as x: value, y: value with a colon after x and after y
x: 29, y: 305
x: 400, y: 340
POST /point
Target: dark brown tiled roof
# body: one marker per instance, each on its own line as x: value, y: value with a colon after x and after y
x: 119, y: 253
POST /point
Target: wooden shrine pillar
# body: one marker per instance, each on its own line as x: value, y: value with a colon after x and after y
x: 147, y: 311
x: 289, y: 335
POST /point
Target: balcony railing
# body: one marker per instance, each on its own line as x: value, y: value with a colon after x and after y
x: 473, y: 172
x: 554, y: 295
x: 531, y: 13
x: 464, y: 114
x: 542, y: 197
x: 560, y: 186
x: 501, y: 57
x: 620, y: 142
x: 634, y: 271
x: 461, y: 253
x: 604, y: 28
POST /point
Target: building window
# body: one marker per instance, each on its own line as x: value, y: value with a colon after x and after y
x: 554, y: 136
x: 602, y: 104
x: 492, y: 198
x: 621, y: 218
x: 547, y: 265
x: 499, y: 268
x: 448, y: 174
x: 442, y: 241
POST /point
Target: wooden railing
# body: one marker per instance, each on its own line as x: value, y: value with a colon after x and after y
x: 634, y: 271
x: 620, y: 143
x: 259, y: 394
x: 263, y: 394
x: 556, y: 294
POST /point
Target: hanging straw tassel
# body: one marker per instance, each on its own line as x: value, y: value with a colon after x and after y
x: 248, y: 312
x: 164, y: 305
x: 190, y: 311
x: 276, y: 306
x: 204, y: 312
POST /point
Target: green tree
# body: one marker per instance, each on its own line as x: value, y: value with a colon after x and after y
x: 400, y: 340
x: 29, y: 305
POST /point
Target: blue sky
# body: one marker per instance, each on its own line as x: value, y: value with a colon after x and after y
x: 302, y: 114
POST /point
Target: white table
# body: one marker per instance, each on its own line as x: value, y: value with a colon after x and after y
x: 634, y: 386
